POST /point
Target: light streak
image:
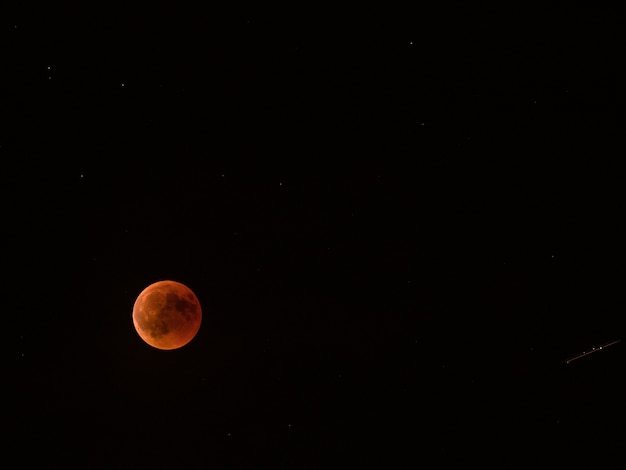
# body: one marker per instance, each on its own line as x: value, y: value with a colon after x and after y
x: 590, y: 351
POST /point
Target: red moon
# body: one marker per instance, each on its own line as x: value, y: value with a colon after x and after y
x: 167, y: 315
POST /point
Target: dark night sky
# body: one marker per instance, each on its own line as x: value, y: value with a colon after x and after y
x: 398, y: 223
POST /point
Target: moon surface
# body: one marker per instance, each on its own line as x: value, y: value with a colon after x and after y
x: 167, y: 315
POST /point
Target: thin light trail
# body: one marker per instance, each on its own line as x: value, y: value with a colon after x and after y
x: 590, y: 351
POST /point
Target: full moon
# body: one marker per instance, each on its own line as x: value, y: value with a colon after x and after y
x: 167, y: 315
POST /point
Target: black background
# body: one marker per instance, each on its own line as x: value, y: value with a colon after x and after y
x: 398, y: 222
